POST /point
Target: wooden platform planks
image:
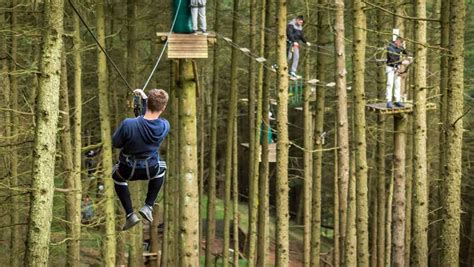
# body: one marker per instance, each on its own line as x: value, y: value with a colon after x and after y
x: 182, y: 45
x: 381, y: 108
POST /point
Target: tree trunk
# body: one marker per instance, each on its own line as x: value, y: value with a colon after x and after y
x: 253, y: 145
x: 308, y: 176
x: 136, y: 233
x: 360, y: 39
x: 470, y: 259
x: 211, y: 195
x: 73, y: 253
x: 420, y: 188
x: 6, y: 132
x: 189, y: 195
x: 337, y: 247
x: 235, y: 196
x: 451, y: 200
x: 399, y: 196
x: 323, y: 61
x: 388, y: 222
x: 282, y: 212
x: 15, y: 234
x: 41, y: 208
x: 77, y: 129
x: 350, y: 247
x: 343, y: 125
x: 109, y: 246
x: 231, y: 116
x: 263, y: 184
x: 380, y: 159
x: 172, y: 187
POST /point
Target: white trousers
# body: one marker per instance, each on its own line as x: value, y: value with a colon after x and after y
x: 295, y: 55
x: 392, y: 79
x: 201, y: 13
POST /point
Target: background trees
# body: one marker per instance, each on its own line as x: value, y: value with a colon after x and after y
x: 98, y: 100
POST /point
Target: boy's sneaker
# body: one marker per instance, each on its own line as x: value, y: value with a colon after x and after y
x: 204, y: 32
x: 132, y: 220
x: 147, y: 213
x: 293, y: 74
x: 399, y: 104
x: 389, y: 104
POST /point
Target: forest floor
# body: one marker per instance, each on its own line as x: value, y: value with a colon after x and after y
x: 91, y: 238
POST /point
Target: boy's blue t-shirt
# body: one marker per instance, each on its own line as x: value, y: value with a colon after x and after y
x: 138, y: 136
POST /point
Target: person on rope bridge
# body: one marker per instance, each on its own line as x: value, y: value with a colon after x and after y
x: 295, y: 35
x: 394, y: 59
x: 198, y: 9
x: 139, y: 140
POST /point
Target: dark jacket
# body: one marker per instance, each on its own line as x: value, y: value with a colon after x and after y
x: 394, y: 54
x: 139, y: 136
x: 294, y: 32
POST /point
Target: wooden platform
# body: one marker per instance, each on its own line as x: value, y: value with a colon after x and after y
x: 381, y: 108
x: 181, y: 45
x: 271, y: 152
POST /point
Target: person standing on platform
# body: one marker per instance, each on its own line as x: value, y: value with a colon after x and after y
x: 295, y: 35
x: 394, y: 60
x: 198, y: 9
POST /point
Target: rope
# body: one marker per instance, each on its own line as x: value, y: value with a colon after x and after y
x: 262, y: 60
x: 164, y: 47
x: 100, y: 46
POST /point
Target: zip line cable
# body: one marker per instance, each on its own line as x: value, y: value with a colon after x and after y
x: 164, y: 47
x: 100, y: 46
x: 110, y: 59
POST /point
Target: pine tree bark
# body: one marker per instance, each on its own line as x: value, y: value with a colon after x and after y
x: 420, y: 187
x: 47, y: 108
x: 322, y: 62
x: 189, y: 195
x: 77, y: 129
x: 308, y: 175
x: 253, y: 145
x: 136, y: 235
x: 73, y: 253
x: 443, y: 83
x: 388, y: 222
x: 263, y: 184
x: 399, y: 196
x: 343, y: 124
x: 109, y: 246
x: 360, y: 40
x: 451, y: 199
x: 235, y: 197
x: 282, y: 212
x: 15, y: 232
x: 211, y: 196
x: 231, y: 116
x: 337, y: 247
x: 380, y: 158
x: 470, y: 259
x: 172, y: 187
x: 259, y: 8
x: 350, y: 247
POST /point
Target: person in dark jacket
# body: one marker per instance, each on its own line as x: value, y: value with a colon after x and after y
x: 394, y: 59
x: 139, y: 140
x: 295, y: 35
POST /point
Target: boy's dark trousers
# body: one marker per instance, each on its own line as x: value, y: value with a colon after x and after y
x: 122, y: 173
